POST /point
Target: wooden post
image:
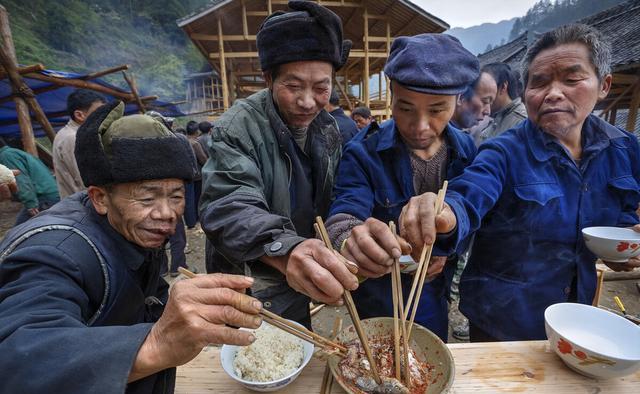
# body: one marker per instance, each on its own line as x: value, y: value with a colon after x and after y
x: 223, y: 68
x: 22, y: 110
x: 633, y: 109
x: 269, y: 7
x: 612, y: 116
x: 365, y: 74
x: 388, y: 82
x: 245, y: 25
x: 344, y: 94
x: 134, y: 91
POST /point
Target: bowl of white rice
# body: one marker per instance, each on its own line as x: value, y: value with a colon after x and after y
x: 274, y: 360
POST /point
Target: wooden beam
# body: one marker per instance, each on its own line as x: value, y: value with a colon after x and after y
x: 365, y: 76
x: 344, y: 93
x: 633, y: 109
x: 107, y: 71
x: 134, y: 91
x: 245, y: 25
x: 269, y: 7
x: 22, y: 109
x: 617, y: 99
x: 258, y: 13
x: 349, y: 4
x: 626, y: 79
x: 233, y: 55
x: 24, y: 70
x: 78, y: 83
x: 211, y: 37
x: 223, y: 69
x: 387, y: 80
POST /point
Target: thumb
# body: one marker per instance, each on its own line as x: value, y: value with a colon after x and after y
x: 636, y: 228
x: 446, y: 220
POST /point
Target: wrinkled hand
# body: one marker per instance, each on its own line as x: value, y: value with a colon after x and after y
x: 196, y: 315
x: 33, y: 211
x: 419, y: 223
x: 374, y: 247
x: 436, y: 265
x: 316, y: 271
x: 6, y: 189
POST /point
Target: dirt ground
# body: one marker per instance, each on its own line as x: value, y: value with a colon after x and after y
x: 324, y: 319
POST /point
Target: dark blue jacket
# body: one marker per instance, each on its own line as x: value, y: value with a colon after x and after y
x: 346, y: 125
x: 528, y: 201
x: 375, y: 180
x: 76, y: 303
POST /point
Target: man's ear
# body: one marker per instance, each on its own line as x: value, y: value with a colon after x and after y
x: 459, y: 100
x: 504, y: 88
x: 605, y: 86
x: 99, y: 198
x: 79, y: 116
x: 268, y: 79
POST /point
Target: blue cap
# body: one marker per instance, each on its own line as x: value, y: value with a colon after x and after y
x: 432, y: 64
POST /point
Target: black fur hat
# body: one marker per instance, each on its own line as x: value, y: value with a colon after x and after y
x: 112, y: 148
x: 309, y: 32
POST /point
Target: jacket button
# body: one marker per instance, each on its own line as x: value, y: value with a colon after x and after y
x: 275, y: 246
x: 267, y: 304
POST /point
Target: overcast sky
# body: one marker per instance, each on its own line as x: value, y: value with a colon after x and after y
x: 466, y: 13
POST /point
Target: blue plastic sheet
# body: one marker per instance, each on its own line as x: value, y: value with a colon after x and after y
x: 54, y: 103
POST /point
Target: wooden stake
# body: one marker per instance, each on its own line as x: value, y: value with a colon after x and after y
x: 22, y: 110
x: 134, y: 91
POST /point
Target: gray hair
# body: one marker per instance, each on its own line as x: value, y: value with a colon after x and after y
x: 599, y: 48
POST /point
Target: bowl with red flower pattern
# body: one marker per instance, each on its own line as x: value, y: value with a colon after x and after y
x: 592, y: 341
x: 613, y: 244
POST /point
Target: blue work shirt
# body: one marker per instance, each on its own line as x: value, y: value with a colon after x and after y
x: 527, y: 201
x: 375, y: 180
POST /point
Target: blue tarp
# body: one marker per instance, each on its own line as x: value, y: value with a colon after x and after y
x: 54, y: 103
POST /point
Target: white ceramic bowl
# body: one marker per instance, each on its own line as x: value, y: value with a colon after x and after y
x: 228, y: 354
x: 592, y: 341
x: 614, y: 244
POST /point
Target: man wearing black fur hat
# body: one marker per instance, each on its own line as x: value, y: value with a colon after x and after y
x: 272, y: 162
x: 82, y: 305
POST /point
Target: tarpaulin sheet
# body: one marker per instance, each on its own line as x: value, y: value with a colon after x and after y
x: 54, y: 103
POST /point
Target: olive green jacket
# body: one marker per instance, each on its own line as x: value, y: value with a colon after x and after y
x: 245, y: 203
x: 504, y: 120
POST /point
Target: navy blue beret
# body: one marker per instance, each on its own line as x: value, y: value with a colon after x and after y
x: 432, y: 63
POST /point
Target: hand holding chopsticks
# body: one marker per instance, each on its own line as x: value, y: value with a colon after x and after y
x: 286, y: 325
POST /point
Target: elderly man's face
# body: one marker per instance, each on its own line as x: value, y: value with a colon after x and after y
x: 145, y: 212
x: 421, y: 118
x: 563, y: 88
x: 301, y: 90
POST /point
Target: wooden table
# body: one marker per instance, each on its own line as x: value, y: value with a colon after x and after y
x: 506, y: 367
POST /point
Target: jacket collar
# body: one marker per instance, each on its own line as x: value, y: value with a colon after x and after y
x: 596, y: 136
x: 390, y: 138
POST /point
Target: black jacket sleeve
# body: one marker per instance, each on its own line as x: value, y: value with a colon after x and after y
x: 45, y: 343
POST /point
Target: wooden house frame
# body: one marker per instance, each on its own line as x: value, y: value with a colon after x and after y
x: 370, y: 24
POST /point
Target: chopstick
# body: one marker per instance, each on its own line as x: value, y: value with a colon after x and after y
x: 397, y: 285
x: 351, y: 307
x: 286, y: 325
x: 322, y: 232
x: 425, y: 266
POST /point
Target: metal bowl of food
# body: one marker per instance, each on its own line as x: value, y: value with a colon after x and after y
x: 430, y: 361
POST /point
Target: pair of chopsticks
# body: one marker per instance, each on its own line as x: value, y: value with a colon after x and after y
x: 399, y: 322
x: 421, y: 271
x: 348, y: 302
x: 293, y: 329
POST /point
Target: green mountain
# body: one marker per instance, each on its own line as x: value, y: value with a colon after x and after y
x: 87, y: 36
x: 478, y: 38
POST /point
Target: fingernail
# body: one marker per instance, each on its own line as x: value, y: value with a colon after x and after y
x: 252, y: 338
x: 249, y: 279
x: 396, y: 253
x: 340, y: 302
x: 257, y: 304
x: 410, y: 248
x: 354, y: 285
x: 257, y: 321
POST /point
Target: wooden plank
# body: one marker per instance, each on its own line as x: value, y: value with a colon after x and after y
x: 361, y: 54
x: 507, y: 367
x: 211, y: 37
x: 245, y: 25
x: 387, y: 80
x: 223, y: 70
x: 258, y: 13
x: 269, y: 7
x: 324, y: 3
x: 633, y: 108
x: 233, y: 55
x: 626, y: 79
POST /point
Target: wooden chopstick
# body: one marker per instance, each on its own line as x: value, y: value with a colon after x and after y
x: 396, y: 327
x: 323, y: 233
x: 287, y: 326
x: 423, y: 275
x: 396, y: 277
x: 351, y: 308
